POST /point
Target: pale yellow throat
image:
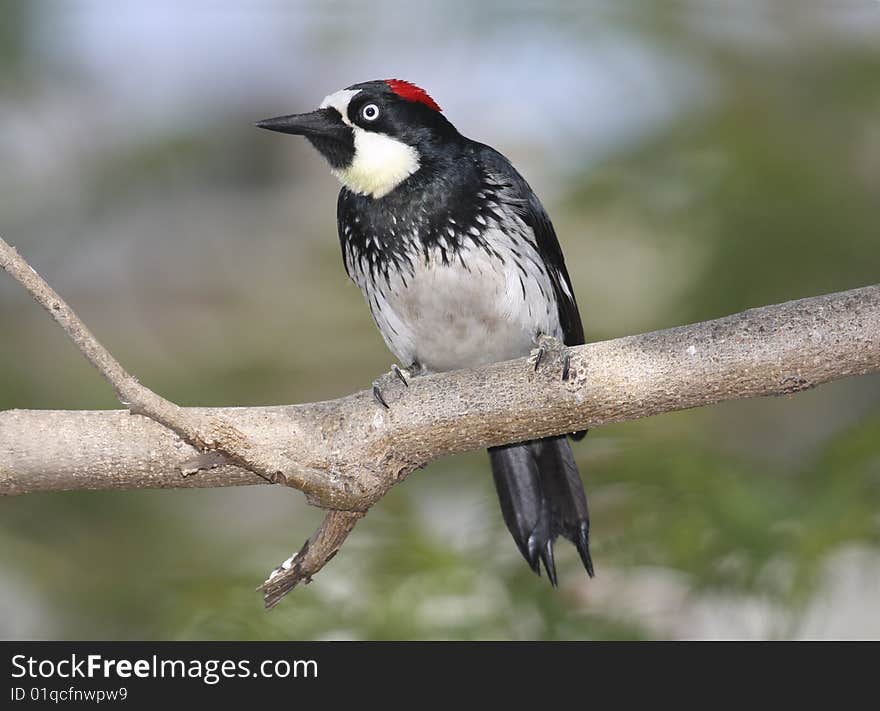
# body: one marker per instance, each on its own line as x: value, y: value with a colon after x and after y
x: 380, y: 164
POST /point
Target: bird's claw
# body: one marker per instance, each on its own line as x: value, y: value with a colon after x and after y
x: 548, y: 344
x: 377, y: 395
x: 539, y: 356
x: 400, y: 374
x: 396, y: 373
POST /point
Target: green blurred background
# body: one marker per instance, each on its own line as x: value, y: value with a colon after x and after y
x: 698, y: 158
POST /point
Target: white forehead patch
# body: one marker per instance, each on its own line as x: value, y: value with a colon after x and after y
x: 340, y: 101
x: 380, y: 164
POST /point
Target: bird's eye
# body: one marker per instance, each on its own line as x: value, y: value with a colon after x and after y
x: 370, y: 112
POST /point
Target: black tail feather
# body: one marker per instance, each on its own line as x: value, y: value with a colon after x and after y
x: 541, y: 498
x: 583, y: 546
x: 549, y: 562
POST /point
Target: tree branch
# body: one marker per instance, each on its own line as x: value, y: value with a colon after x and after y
x: 357, y: 445
x: 346, y: 454
x: 204, y: 431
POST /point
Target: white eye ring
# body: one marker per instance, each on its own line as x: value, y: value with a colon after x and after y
x: 370, y: 112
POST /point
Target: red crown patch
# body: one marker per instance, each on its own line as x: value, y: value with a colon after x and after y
x: 411, y: 92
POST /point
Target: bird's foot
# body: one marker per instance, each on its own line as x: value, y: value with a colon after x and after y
x: 546, y: 345
x: 394, y: 376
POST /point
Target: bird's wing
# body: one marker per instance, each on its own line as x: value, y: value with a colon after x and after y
x: 548, y: 245
x: 535, y: 216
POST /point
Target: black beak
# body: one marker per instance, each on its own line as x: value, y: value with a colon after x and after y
x: 323, y: 122
x: 325, y: 130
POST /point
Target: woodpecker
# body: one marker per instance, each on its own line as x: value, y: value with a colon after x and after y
x: 460, y: 266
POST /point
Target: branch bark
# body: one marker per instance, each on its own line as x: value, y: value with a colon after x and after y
x: 345, y: 454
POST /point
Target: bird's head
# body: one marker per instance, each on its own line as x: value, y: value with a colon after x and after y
x: 374, y: 135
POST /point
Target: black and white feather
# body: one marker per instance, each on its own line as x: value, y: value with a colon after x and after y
x: 470, y: 286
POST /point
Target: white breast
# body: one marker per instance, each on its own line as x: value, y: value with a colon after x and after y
x: 478, y: 308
